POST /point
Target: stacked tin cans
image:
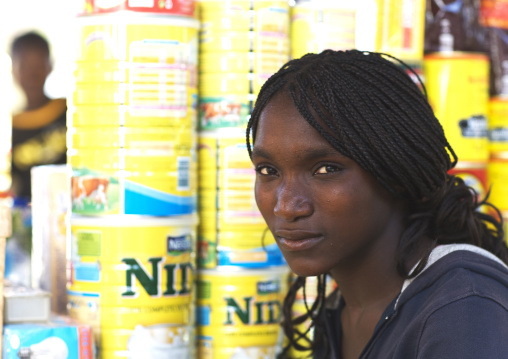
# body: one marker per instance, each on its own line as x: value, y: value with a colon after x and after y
x: 497, y: 168
x: 317, y: 25
x: 241, y: 44
x: 467, y: 71
x: 242, y: 277
x: 395, y: 27
x: 462, y: 79
x: 132, y: 148
x: 494, y: 18
x: 457, y: 80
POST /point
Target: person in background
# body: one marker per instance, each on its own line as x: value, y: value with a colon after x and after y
x: 353, y: 181
x: 39, y: 131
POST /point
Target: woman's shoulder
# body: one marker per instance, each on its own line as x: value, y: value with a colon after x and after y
x: 466, y: 271
x: 456, y: 308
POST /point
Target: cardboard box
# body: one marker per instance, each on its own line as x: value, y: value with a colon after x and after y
x: 24, y: 305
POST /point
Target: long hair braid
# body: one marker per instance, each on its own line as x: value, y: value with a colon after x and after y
x: 296, y: 337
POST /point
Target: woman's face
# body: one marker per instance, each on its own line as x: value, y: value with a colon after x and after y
x: 325, y: 212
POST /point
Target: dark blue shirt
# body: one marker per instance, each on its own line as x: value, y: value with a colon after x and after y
x: 457, y: 308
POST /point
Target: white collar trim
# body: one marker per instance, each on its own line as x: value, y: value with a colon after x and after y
x: 443, y: 250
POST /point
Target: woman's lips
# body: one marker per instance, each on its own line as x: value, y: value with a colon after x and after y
x: 296, y: 240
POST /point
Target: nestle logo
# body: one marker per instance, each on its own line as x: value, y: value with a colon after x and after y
x: 179, y: 244
x: 268, y: 287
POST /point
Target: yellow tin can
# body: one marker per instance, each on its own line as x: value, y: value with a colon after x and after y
x: 139, y: 95
x: 244, y: 41
x: 119, y: 280
x: 236, y: 239
x: 498, y: 180
x: 227, y: 20
x: 207, y: 351
x: 133, y: 159
x: 266, y: 19
x: 135, y: 74
x: 223, y: 149
x: 162, y: 138
x: 498, y: 124
x: 153, y: 341
x: 238, y: 236
x: 261, y: 253
x: 401, y: 27
x: 173, y: 7
x: 231, y: 218
x: 298, y: 310
x: 226, y: 111
x: 227, y: 200
x: 262, y: 63
x: 132, y: 115
x: 138, y: 38
x: 311, y: 290
x: 248, y: 239
x: 315, y: 28
x: 217, y: 84
x: 233, y: 179
x: 457, y: 87
x: 239, y: 309
x: 206, y: 6
x: 153, y: 193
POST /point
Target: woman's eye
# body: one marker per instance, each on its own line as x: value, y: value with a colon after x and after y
x: 326, y: 169
x: 266, y: 171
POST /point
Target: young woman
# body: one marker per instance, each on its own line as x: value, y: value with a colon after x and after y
x: 352, y: 180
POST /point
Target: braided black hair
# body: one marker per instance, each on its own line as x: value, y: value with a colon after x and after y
x: 366, y: 106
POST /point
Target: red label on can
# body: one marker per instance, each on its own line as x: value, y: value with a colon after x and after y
x: 474, y: 176
x: 494, y: 13
x: 167, y: 7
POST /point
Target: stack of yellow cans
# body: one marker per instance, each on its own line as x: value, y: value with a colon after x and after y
x: 395, y: 27
x: 321, y: 25
x: 239, y: 312
x: 132, y: 148
x: 495, y: 20
x: 242, y: 276
x: 400, y: 29
x: 232, y: 231
x: 133, y: 115
x: 457, y: 82
x: 242, y: 43
x: 458, y: 91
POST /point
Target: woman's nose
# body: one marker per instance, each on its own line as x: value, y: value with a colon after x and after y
x: 293, y: 201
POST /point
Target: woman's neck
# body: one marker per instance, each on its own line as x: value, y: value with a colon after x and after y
x: 367, y: 292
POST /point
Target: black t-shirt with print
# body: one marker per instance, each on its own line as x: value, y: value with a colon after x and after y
x: 35, y: 147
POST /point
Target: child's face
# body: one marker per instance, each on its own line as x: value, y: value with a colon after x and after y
x: 30, y: 68
x: 325, y: 212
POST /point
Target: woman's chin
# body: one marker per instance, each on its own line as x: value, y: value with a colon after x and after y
x: 304, y: 269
